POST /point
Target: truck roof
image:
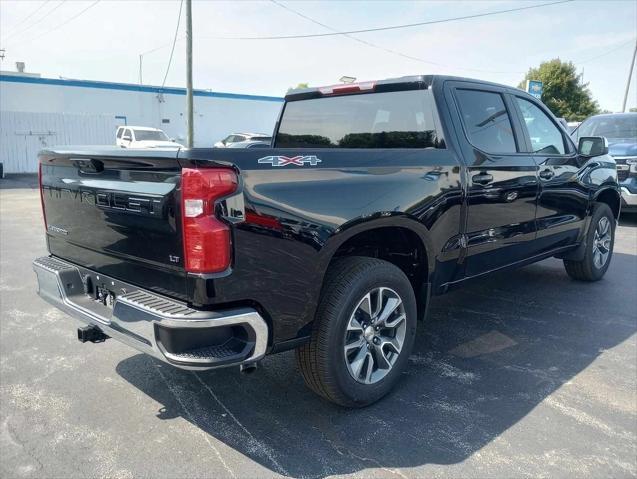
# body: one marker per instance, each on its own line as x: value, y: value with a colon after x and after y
x: 411, y: 82
x: 146, y: 128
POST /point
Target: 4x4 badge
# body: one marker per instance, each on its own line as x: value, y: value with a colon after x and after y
x: 290, y: 160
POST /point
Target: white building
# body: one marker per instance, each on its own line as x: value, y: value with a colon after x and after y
x: 42, y: 112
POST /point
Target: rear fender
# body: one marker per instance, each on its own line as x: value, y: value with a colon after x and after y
x: 361, y: 225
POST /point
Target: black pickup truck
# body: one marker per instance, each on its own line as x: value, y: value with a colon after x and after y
x: 374, y: 197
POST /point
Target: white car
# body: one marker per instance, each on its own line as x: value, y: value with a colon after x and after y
x: 241, y: 137
x: 143, y: 137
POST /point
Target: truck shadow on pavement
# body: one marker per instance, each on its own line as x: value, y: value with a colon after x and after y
x: 489, y: 354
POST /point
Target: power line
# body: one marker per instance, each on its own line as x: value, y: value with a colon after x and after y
x: 392, y: 27
x: 60, y: 25
x: 161, y: 47
x: 410, y: 57
x: 629, y: 42
x: 170, y: 59
x: 30, y: 15
x: 385, y: 49
x: 38, y: 21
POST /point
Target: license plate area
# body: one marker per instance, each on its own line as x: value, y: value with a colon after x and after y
x: 101, y: 290
x: 104, y: 296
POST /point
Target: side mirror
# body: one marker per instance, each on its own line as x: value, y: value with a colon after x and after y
x: 126, y: 138
x: 592, y: 146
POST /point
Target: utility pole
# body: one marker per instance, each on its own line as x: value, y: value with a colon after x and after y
x: 141, y: 59
x: 190, y: 135
x: 630, y: 75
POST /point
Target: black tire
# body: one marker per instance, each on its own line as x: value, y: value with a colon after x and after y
x: 323, y: 362
x: 586, y: 269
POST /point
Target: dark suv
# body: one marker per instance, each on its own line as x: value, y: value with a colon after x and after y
x: 621, y: 131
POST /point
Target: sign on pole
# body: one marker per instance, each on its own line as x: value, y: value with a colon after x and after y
x: 535, y: 87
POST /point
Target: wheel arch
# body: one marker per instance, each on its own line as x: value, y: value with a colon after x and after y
x: 401, y: 240
x: 611, y: 197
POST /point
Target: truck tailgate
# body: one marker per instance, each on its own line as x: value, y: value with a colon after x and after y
x: 116, y: 213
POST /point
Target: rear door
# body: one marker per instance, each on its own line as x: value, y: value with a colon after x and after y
x: 563, y: 200
x: 502, y: 180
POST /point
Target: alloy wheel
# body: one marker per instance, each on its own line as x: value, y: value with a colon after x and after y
x: 601, y: 242
x: 375, y: 335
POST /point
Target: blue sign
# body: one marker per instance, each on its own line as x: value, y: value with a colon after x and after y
x: 535, y: 88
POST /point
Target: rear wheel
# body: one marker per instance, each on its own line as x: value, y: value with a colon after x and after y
x: 599, y: 247
x: 363, y: 332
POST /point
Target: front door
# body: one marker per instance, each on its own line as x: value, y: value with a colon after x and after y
x: 563, y: 199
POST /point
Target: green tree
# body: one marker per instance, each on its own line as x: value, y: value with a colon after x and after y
x: 563, y: 92
x: 300, y: 85
x: 633, y: 109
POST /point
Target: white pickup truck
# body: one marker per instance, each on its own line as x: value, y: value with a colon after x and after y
x: 143, y: 137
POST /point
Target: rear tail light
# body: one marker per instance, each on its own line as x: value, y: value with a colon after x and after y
x: 206, y: 238
x: 41, y: 194
x: 347, y: 88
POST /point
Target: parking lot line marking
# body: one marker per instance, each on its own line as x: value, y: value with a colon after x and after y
x: 193, y: 422
x: 260, y: 445
x: 588, y: 420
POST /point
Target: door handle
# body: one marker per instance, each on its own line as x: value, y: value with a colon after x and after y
x: 547, y: 174
x: 482, y: 178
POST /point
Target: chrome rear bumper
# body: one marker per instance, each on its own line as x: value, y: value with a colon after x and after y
x: 164, y: 328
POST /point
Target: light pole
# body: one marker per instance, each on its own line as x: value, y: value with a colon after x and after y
x: 190, y: 137
x: 630, y: 75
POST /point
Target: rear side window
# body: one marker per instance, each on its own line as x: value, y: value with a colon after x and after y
x: 546, y: 137
x: 402, y: 119
x: 486, y: 121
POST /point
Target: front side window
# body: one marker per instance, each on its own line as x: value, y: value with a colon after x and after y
x: 150, y: 135
x: 401, y: 119
x: 546, y: 138
x: 486, y: 121
x: 129, y: 134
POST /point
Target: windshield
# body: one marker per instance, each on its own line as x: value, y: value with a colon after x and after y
x: 402, y: 119
x: 150, y: 135
x: 620, y: 126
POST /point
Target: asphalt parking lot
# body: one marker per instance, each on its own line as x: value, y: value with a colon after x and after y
x: 524, y: 374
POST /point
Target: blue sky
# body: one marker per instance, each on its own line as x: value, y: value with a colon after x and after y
x: 104, y: 43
